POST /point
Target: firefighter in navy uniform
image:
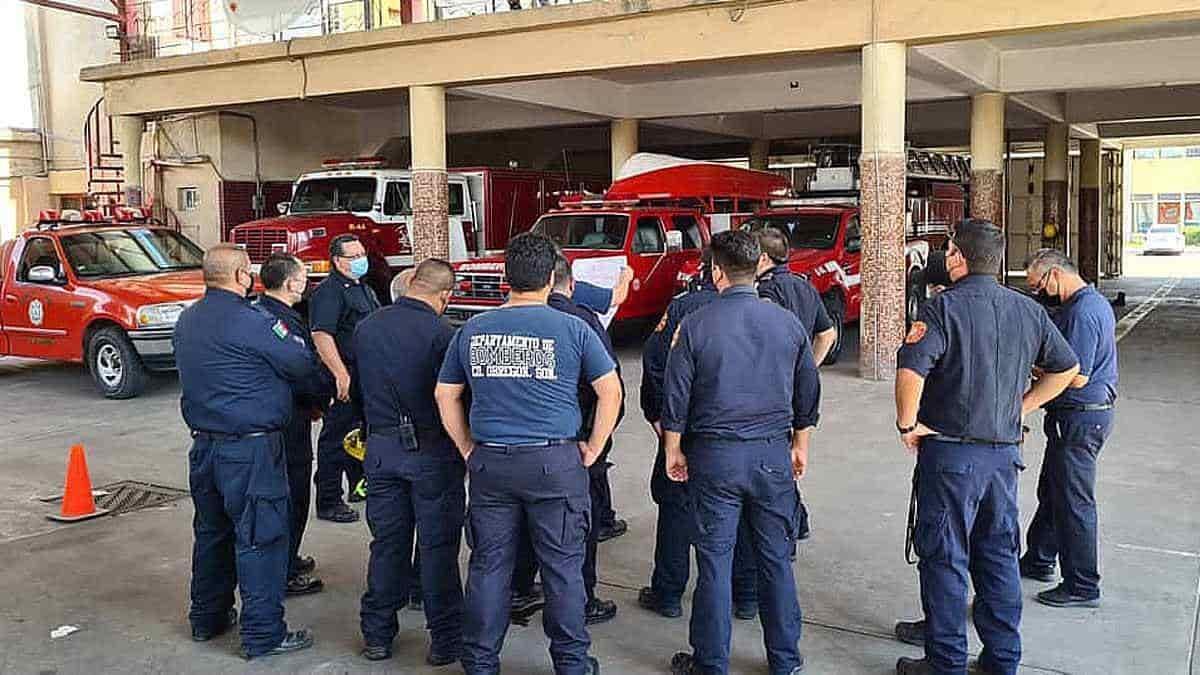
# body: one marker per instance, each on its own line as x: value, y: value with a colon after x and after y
x: 415, y: 474
x: 1077, y: 423
x: 598, y: 610
x: 793, y: 292
x: 673, y: 531
x: 335, y: 308
x: 961, y: 392
x: 284, y: 282
x: 523, y: 363
x: 238, y: 366
x: 741, y: 394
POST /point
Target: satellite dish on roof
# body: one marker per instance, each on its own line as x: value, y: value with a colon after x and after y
x: 266, y: 17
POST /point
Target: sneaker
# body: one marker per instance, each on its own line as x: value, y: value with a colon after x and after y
x: 305, y: 565
x: 294, y: 641
x: 302, y: 584
x: 911, y: 632
x: 649, y: 599
x: 206, y: 635
x: 1043, y: 574
x: 598, y: 611
x: 338, y: 513
x: 377, y: 652
x: 1061, y: 597
x: 907, y: 666
x: 613, y: 530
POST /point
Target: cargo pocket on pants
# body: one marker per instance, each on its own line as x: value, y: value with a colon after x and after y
x: 265, y: 520
x: 930, y: 536
x: 577, y: 520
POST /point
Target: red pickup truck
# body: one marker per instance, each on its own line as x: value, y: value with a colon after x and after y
x: 106, y: 294
x: 657, y: 242
x: 826, y: 247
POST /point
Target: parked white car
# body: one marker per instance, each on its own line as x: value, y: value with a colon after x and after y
x: 1166, y: 239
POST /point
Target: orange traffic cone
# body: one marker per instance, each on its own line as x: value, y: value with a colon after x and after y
x: 77, y: 502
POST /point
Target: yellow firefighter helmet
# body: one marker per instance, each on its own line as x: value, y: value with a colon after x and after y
x: 354, y: 446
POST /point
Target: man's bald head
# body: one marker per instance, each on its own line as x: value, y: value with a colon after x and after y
x: 431, y: 282
x: 221, y: 264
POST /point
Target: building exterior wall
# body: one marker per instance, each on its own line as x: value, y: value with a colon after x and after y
x: 22, y: 192
x: 1163, y: 187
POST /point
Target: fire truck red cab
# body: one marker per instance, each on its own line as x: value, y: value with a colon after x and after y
x: 655, y: 218
x: 103, y: 292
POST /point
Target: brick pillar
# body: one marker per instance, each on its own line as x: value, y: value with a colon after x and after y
x: 987, y: 157
x: 883, y: 166
x: 1089, y: 209
x: 430, y: 233
x: 1054, y: 183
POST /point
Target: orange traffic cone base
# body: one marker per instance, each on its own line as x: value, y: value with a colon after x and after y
x: 75, y: 519
x: 77, y: 501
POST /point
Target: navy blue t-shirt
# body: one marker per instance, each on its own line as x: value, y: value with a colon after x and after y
x: 523, y: 366
x: 1087, y: 321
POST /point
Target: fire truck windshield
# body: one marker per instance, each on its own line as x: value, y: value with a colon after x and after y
x: 322, y: 195
x: 803, y: 230
x: 596, y: 231
x: 112, y: 253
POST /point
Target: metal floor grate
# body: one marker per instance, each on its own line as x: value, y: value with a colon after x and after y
x: 130, y: 495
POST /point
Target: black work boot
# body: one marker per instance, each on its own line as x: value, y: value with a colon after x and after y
x: 1061, y: 597
x: 305, y: 565
x: 613, y: 530
x: 1037, y: 573
x: 907, y: 666
x: 377, y: 652
x: 294, y: 641
x: 911, y: 632
x: 206, y: 635
x: 338, y: 513
x: 682, y: 664
x: 443, y: 656
x: 598, y: 611
x: 649, y: 599
x: 302, y: 584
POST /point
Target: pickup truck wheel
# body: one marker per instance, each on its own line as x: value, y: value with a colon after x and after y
x: 837, y: 314
x: 115, y: 365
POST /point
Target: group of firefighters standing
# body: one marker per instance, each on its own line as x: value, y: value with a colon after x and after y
x: 524, y: 400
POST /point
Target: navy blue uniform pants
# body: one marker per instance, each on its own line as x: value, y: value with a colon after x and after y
x: 240, y: 492
x: 726, y: 480
x: 602, y: 509
x: 414, y: 496
x: 967, y: 532
x: 332, y: 460
x: 298, y: 451
x: 1064, y: 526
x: 598, y: 493
x: 546, y: 489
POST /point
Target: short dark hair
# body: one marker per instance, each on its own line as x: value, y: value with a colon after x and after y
x: 529, y: 261
x: 736, y: 252
x: 432, y: 275
x: 982, y: 245
x: 337, y: 245
x: 562, y: 273
x: 277, y: 269
x: 774, y: 243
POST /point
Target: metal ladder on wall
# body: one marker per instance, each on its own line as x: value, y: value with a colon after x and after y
x: 105, y: 173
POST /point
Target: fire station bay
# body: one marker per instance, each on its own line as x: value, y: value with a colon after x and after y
x: 634, y: 134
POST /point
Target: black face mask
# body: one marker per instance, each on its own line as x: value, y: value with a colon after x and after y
x: 1047, y: 299
x: 250, y: 286
x: 936, y: 273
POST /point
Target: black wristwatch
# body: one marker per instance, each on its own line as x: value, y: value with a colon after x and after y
x: 905, y: 430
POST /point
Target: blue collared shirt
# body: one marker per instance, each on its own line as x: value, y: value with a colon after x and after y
x: 1087, y: 321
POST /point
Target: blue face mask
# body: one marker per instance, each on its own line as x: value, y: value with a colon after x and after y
x: 358, y: 267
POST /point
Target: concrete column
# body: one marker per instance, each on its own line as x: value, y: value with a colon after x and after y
x: 987, y: 157
x: 760, y: 154
x: 883, y: 167
x: 624, y: 143
x: 1089, y: 209
x: 128, y: 132
x: 1054, y: 184
x: 430, y: 225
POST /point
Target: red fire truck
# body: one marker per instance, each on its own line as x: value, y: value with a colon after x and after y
x: 824, y: 229
x: 103, y: 292
x: 655, y: 219
x: 364, y: 197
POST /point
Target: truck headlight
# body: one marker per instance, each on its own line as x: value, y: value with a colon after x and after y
x: 163, y: 314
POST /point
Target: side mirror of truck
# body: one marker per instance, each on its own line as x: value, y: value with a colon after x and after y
x: 42, y: 274
x: 674, y: 241
x: 282, y: 208
x: 854, y: 244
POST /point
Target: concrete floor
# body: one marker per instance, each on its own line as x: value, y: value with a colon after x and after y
x: 123, y: 580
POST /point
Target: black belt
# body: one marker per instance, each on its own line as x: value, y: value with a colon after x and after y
x: 395, y: 431
x: 945, y: 438
x: 550, y: 442
x: 215, y: 436
x: 1080, y: 407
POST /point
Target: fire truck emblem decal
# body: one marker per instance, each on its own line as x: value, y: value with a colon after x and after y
x: 36, y: 312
